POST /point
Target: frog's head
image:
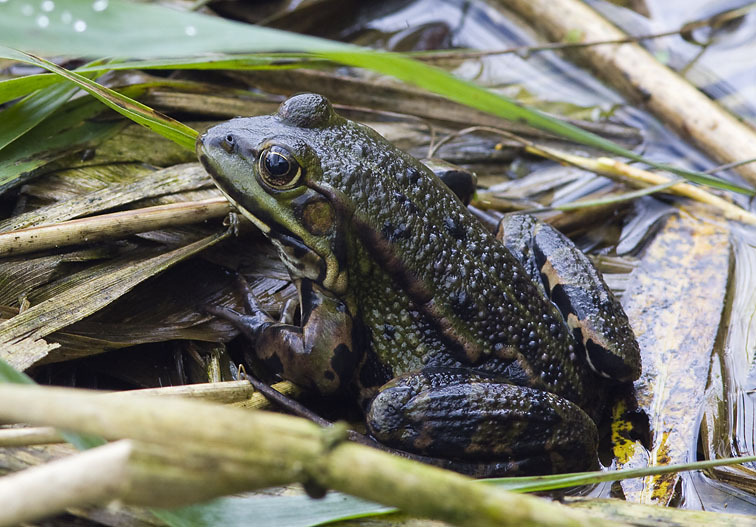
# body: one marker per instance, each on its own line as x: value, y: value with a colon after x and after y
x: 269, y: 167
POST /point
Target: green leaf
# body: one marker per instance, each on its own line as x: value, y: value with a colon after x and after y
x: 116, y: 28
x: 33, y: 109
x: 14, y: 88
x: 134, y: 110
x: 69, y: 130
x: 29, y: 112
x: 252, y: 511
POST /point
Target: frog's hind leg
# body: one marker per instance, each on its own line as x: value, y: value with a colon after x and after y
x: 479, y: 421
x: 570, y: 280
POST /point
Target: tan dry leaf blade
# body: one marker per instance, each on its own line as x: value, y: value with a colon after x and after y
x: 169, y: 180
x: 81, y: 301
x: 675, y: 303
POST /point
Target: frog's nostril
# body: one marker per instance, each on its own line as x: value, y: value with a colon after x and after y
x: 228, y: 143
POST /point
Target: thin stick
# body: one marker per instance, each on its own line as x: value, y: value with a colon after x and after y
x: 110, y: 226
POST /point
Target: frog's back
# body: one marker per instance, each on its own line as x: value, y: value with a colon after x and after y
x: 436, y: 278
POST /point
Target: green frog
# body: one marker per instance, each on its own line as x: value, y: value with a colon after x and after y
x: 488, y: 353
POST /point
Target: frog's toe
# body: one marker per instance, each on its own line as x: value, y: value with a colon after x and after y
x: 249, y: 325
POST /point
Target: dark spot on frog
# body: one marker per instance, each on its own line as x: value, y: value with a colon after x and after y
x: 405, y: 202
x: 455, y: 228
x: 328, y: 374
x: 274, y: 364
x: 562, y: 300
x: 395, y: 232
x: 343, y: 359
x: 411, y: 177
x: 389, y: 331
x: 463, y: 306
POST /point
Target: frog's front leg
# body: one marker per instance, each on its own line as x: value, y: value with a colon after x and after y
x: 470, y: 418
x: 317, y: 355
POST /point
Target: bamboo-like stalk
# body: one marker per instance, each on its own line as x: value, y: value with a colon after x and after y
x: 96, y: 476
x: 188, y: 450
x: 36, y: 435
x: 643, y: 79
x: 236, y: 393
x: 110, y: 226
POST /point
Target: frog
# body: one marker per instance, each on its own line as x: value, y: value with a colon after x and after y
x: 488, y: 353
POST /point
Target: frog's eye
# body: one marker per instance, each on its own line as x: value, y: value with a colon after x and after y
x: 278, y: 168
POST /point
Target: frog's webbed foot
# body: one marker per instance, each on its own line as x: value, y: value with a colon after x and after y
x: 570, y: 280
x: 251, y: 323
x: 316, y: 355
x: 479, y: 422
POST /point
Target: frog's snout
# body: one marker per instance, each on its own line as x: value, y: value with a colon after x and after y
x: 199, y: 144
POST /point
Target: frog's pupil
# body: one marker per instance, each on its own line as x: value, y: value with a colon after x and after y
x: 276, y: 164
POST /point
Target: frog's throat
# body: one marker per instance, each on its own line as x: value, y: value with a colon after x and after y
x: 334, y: 279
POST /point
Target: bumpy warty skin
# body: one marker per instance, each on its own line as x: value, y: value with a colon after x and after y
x: 493, y: 316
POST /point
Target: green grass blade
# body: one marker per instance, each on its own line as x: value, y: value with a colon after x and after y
x: 134, y: 110
x: 14, y: 88
x: 561, y: 481
x: 464, y: 92
x: 247, y: 61
x: 19, y: 87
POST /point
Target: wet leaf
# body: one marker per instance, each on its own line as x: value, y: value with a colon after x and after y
x: 674, y: 300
